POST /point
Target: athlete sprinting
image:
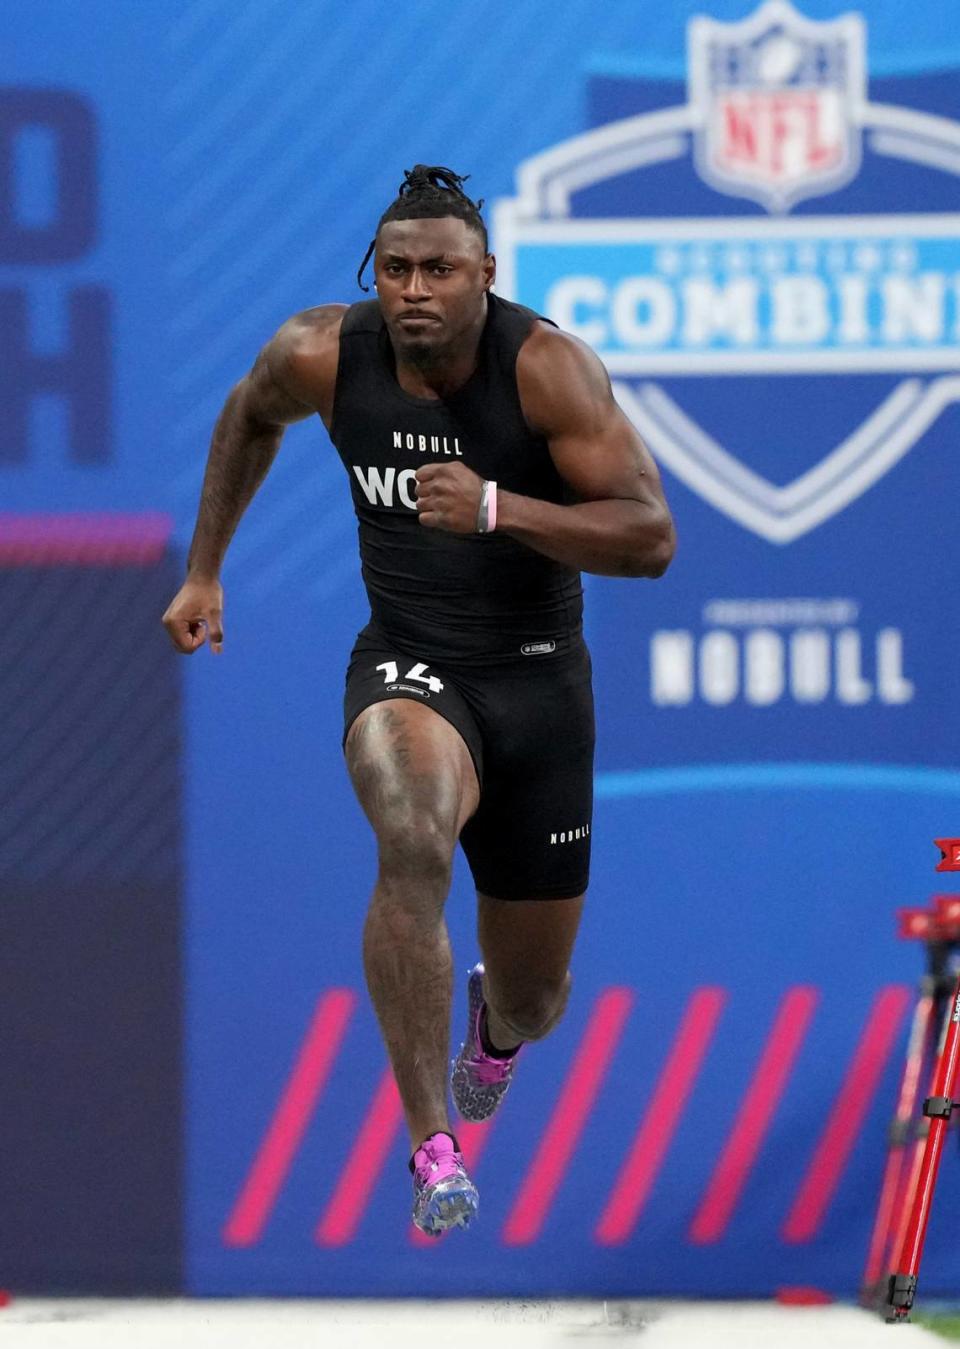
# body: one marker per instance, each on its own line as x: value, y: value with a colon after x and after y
x: 489, y: 464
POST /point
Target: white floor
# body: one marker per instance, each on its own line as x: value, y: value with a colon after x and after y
x: 33, y: 1323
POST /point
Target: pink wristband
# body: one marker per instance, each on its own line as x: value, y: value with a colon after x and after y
x: 492, y: 508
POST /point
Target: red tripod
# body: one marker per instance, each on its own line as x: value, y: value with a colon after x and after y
x: 916, y: 1144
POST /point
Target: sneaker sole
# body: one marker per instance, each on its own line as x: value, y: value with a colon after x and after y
x: 446, y: 1208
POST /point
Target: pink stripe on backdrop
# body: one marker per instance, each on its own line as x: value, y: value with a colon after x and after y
x: 753, y: 1120
x: 472, y: 1139
x: 285, y: 1133
x: 853, y: 1100
x: 363, y: 1166
x: 91, y: 539
x: 640, y: 1170
x: 570, y: 1114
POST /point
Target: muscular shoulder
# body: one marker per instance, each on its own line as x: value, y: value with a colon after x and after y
x: 302, y: 355
x: 312, y: 330
x: 560, y: 380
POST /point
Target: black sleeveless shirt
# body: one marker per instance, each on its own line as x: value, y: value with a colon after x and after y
x: 474, y: 598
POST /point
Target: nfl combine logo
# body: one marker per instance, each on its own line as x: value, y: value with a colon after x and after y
x: 670, y: 241
x: 779, y: 100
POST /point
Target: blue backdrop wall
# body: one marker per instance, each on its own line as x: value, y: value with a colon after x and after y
x: 754, y: 215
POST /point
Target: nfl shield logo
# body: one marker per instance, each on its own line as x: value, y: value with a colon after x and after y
x: 779, y: 100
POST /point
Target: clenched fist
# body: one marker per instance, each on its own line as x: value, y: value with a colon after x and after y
x: 195, y: 613
x: 448, y: 497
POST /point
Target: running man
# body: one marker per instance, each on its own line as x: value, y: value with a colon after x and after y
x: 489, y: 465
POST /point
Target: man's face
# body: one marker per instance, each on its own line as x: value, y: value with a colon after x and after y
x: 431, y: 278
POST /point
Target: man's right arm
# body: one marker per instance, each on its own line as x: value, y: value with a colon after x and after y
x: 292, y: 378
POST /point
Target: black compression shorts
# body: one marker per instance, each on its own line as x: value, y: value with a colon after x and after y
x: 530, y: 731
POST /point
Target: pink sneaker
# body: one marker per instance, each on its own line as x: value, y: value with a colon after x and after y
x: 478, y: 1081
x: 443, y: 1194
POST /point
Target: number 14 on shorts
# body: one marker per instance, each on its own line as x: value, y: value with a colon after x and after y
x: 417, y: 674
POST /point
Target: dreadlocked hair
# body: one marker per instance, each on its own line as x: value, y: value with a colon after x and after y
x: 429, y: 190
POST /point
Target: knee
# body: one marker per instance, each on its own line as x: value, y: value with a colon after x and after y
x: 533, y: 1011
x: 415, y: 846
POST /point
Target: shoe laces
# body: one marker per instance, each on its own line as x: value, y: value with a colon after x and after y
x: 485, y: 1069
x: 489, y: 1072
x: 438, y: 1164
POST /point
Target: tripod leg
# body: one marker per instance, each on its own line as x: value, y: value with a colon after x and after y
x: 906, y: 1193
x: 873, y: 1289
x: 937, y: 1109
x: 941, y: 985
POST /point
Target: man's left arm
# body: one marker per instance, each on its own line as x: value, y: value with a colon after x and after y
x: 620, y: 524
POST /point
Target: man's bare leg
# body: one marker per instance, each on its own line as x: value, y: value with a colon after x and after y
x: 526, y: 945
x: 519, y: 993
x: 415, y: 780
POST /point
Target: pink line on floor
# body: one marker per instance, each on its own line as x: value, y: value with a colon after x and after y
x: 284, y: 1135
x: 570, y: 1114
x: 755, y: 1115
x: 642, y: 1166
x: 851, y: 1105
x: 363, y: 1166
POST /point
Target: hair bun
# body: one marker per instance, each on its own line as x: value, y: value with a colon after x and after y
x: 431, y: 175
